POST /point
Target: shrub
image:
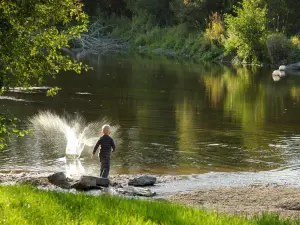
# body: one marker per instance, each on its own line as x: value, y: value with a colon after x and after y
x: 247, y: 31
x: 279, y: 48
x: 159, y: 9
x: 120, y: 26
x: 295, y: 41
x: 215, y: 30
x: 142, y: 22
x: 140, y: 40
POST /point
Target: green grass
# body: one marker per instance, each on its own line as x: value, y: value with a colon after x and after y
x: 28, y: 205
x: 142, y: 31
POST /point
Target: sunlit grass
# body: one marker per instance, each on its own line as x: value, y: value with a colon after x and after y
x: 28, y: 205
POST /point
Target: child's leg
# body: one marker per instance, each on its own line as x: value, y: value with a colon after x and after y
x: 105, y: 166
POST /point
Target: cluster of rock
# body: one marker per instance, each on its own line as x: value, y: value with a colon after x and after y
x: 86, y: 183
x: 292, y: 69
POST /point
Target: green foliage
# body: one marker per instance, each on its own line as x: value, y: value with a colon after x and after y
x: 279, y: 48
x: 190, y: 13
x: 248, y: 26
x: 159, y: 9
x: 196, y: 12
x: 247, y: 31
x: 31, y: 34
x: 8, y: 128
x: 283, y: 16
x: 215, y: 30
x: 295, y: 41
x: 27, y: 205
x: 273, y: 219
x: 142, y: 22
x: 53, y: 91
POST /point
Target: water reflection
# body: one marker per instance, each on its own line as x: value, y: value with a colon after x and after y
x: 73, y: 167
x: 174, y: 116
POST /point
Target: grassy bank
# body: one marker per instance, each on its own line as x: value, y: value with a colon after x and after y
x: 240, y: 34
x: 27, y: 205
x: 179, y: 40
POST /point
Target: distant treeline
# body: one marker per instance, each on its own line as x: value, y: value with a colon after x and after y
x: 252, y: 31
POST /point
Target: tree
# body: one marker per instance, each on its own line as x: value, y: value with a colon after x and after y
x: 31, y: 35
x: 247, y: 31
x: 284, y: 16
x: 196, y: 12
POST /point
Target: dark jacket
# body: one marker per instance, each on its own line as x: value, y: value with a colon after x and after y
x: 106, y: 144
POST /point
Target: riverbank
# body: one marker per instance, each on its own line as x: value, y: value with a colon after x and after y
x: 210, y: 44
x: 249, y: 201
x: 28, y: 205
x: 176, y: 41
x: 246, y: 201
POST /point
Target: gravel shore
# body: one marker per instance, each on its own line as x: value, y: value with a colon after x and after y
x: 246, y: 201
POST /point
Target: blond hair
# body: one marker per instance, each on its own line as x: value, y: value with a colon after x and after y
x: 106, y: 129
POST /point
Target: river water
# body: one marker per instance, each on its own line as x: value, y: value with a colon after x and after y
x: 174, y: 117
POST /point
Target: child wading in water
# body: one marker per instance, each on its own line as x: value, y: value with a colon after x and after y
x: 107, y: 146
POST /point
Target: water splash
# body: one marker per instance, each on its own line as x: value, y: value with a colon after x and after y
x: 51, y: 128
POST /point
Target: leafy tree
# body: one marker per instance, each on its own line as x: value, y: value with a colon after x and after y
x: 31, y: 35
x: 196, y: 12
x: 284, y: 15
x: 247, y: 31
x: 8, y: 128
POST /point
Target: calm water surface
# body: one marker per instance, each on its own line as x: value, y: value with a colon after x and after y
x: 175, y: 117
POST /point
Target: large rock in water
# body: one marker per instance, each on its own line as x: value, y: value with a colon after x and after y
x: 58, y: 178
x: 142, y: 181
x: 86, y: 183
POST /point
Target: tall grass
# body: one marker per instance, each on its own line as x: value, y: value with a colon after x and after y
x: 28, y: 205
x: 181, y: 40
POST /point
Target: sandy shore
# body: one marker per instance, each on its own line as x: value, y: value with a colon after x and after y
x: 247, y: 201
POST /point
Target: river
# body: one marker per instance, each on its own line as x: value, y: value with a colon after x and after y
x: 174, y: 117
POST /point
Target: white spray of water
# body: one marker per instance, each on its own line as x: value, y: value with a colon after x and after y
x: 51, y: 128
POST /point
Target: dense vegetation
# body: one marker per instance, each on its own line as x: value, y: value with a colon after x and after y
x: 247, y: 31
x: 241, y: 31
x: 31, y: 35
x: 27, y: 205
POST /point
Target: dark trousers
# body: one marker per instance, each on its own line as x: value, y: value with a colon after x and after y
x: 105, y: 166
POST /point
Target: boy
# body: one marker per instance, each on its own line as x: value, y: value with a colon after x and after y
x: 107, y: 146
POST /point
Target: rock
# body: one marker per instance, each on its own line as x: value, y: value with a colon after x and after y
x: 144, y: 192
x: 278, y: 75
x: 142, y: 181
x: 84, y: 187
x: 132, y: 191
x: 57, y: 178
x: 282, y: 68
x: 104, y: 182
x: 86, y: 183
x: 293, y: 69
x: 116, y: 185
x: 290, y: 206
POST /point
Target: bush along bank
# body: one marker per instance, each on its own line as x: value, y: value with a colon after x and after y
x: 179, y: 40
x: 243, y: 32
